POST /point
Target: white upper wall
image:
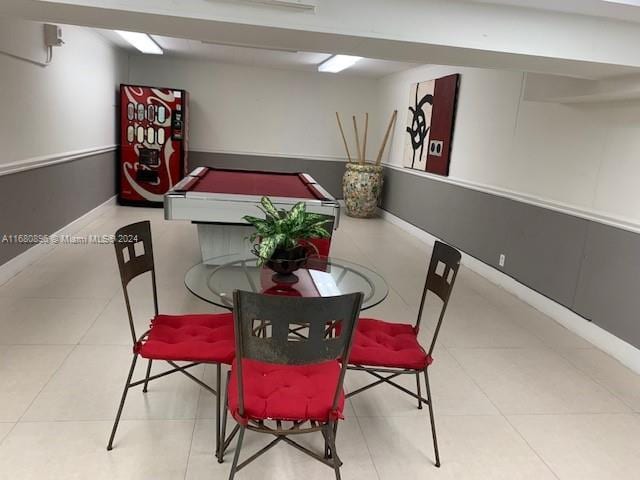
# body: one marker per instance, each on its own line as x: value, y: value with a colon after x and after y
x: 577, y: 156
x: 581, y: 156
x: 263, y: 111
x: 67, y: 106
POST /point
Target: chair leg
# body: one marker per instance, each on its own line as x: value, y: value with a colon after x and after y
x: 327, y: 453
x: 332, y: 446
x: 124, y: 397
x: 236, y: 456
x: 218, y: 402
x: 146, y: 378
x: 433, y: 424
x: 223, y: 433
x: 419, y: 391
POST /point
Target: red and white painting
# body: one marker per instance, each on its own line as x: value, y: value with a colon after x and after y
x: 430, y: 121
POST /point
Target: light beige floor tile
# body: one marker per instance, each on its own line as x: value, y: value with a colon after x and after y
x: 112, y: 325
x: 24, y: 371
x: 77, y: 450
x: 548, y: 330
x: 74, y: 280
x: 608, y: 372
x: 585, y: 447
x: 89, y: 384
x: 498, y: 358
x: 471, y: 322
x: 392, y: 309
x: 474, y: 447
x: 47, y: 321
x: 5, y: 428
x: 345, y: 246
x: 521, y: 381
x: 488, y: 290
x: 283, y: 461
x: 454, y: 393
x: 207, y: 401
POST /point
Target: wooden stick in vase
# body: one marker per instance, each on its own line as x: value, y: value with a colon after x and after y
x: 355, y: 127
x: 386, y: 137
x: 364, y: 145
x: 344, y: 139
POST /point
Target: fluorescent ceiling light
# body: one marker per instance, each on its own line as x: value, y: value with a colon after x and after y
x: 634, y: 3
x: 141, y: 41
x: 337, y: 63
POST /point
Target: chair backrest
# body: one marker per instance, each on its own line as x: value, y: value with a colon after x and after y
x: 134, y: 252
x: 441, y: 276
x: 294, y: 331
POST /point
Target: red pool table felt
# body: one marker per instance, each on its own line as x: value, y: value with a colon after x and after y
x: 245, y: 182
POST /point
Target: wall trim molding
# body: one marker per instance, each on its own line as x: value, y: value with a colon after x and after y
x: 624, y: 352
x: 594, y: 215
x: 302, y: 156
x: 47, y: 160
x: 18, y: 263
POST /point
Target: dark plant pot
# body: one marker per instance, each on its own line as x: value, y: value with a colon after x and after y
x: 286, y: 261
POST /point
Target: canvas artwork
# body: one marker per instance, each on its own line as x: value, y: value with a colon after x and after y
x: 430, y: 121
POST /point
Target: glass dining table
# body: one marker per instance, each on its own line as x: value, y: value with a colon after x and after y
x: 215, y: 280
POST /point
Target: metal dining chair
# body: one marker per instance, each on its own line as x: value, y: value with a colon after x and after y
x: 386, y: 350
x: 289, y: 369
x: 193, y: 338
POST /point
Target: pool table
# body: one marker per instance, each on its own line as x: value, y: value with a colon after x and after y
x: 216, y: 199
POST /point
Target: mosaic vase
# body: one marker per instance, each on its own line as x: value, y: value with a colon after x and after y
x: 361, y: 187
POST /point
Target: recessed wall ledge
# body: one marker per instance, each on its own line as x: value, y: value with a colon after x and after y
x: 559, y: 89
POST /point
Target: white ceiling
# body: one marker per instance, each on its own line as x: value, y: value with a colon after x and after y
x: 260, y: 57
x: 625, y: 10
x: 541, y: 39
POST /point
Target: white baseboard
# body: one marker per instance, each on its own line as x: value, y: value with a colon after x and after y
x: 624, y: 352
x: 19, y: 263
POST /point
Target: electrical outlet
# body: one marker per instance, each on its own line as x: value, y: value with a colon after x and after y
x: 436, y: 147
x: 501, y: 260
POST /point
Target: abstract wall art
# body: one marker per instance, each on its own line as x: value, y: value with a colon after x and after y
x: 430, y: 121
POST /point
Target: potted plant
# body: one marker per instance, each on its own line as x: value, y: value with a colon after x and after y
x: 362, y: 181
x: 283, y: 237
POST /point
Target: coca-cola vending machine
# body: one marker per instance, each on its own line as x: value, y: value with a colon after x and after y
x: 153, y: 143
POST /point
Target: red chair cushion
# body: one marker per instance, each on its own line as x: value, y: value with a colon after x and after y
x: 286, y: 392
x: 384, y: 344
x: 192, y: 338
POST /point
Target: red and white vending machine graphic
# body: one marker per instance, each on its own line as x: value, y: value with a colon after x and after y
x: 153, y: 143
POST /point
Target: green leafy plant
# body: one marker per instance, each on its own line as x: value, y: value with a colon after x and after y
x: 282, y: 229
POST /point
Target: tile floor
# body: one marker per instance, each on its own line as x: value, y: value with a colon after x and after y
x: 516, y: 395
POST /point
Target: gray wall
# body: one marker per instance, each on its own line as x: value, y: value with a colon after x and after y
x: 326, y: 173
x: 43, y: 200
x: 590, y: 268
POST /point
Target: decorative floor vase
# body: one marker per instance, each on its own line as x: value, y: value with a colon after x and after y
x: 361, y: 187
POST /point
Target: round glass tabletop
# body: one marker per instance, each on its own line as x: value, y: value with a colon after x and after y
x: 215, y: 280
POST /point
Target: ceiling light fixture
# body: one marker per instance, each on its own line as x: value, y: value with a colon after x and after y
x: 141, y: 41
x: 337, y: 63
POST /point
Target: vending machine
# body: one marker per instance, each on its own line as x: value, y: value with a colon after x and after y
x: 153, y: 143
